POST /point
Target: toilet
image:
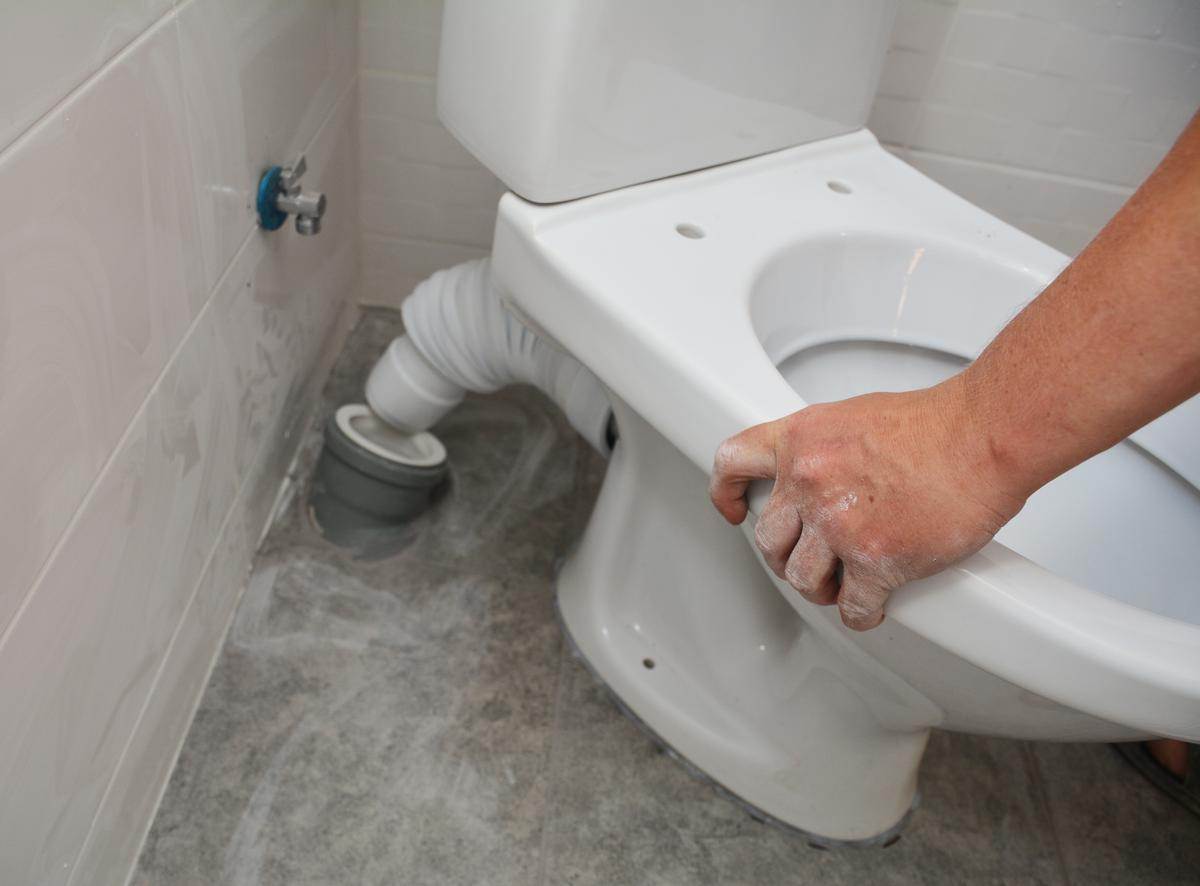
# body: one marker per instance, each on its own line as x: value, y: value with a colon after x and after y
x: 698, y: 215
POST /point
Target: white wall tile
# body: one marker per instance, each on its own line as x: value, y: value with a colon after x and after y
x: 398, y: 96
x: 921, y: 25
x: 1152, y: 68
x: 47, y: 49
x: 1093, y: 108
x: 1144, y: 18
x: 282, y: 291
x: 1034, y: 145
x: 1077, y: 53
x: 423, y: 16
x: 1026, y: 44
x: 403, y: 50
x: 112, y: 846
x: 216, y: 127
x: 77, y: 666
x: 400, y: 35
x: 108, y: 338
x: 1048, y: 98
x: 392, y: 268
x: 403, y: 219
x: 1046, y: 10
x: 259, y: 77
x: 962, y: 133
x: 906, y: 73
x: 893, y: 119
x: 1064, y: 212
x: 415, y: 141
x: 1087, y: 90
x: 975, y: 36
x: 98, y: 283
x: 275, y: 392
x: 402, y: 180
x: 1183, y: 26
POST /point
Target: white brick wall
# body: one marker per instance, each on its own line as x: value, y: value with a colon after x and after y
x: 1047, y: 113
x: 426, y: 203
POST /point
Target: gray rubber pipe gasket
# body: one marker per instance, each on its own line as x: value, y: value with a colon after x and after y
x: 371, y: 475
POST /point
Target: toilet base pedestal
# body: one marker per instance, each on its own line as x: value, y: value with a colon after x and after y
x: 671, y: 609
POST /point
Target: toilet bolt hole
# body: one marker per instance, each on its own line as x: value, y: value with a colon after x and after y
x: 648, y: 663
x: 839, y: 187
x: 689, y: 230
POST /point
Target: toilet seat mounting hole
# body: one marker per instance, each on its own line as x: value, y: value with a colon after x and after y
x: 839, y: 187
x: 689, y: 230
x: 648, y: 663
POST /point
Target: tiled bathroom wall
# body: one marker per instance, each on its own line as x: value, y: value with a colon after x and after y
x: 1047, y: 113
x: 429, y: 204
x: 157, y: 353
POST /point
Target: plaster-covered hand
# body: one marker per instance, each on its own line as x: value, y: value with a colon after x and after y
x: 899, y: 486
x: 893, y: 487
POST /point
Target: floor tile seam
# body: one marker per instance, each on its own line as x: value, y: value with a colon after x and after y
x: 549, y: 769
x: 1047, y: 808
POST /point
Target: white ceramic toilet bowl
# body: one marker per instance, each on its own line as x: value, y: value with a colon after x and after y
x: 723, y: 298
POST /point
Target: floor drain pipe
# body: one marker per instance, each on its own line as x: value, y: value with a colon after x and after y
x: 459, y: 337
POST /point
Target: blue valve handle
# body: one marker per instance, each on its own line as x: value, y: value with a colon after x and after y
x: 270, y: 216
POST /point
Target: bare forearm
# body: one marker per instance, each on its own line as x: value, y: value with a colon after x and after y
x: 1110, y: 345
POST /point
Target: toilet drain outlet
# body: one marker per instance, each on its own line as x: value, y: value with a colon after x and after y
x: 372, y: 476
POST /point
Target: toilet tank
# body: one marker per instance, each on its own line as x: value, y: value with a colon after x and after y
x: 564, y: 98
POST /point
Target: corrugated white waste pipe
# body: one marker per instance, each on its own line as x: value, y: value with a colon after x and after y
x: 459, y: 337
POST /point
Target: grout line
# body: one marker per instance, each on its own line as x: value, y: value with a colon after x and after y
x: 103, y: 471
x: 139, y: 413
x: 398, y: 75
x: 420, y: 241
x: 940, y: 60
x: 551, y: 743
x: 118, y: 57
x: 244, y: 489
x: 1029, y: 171
x: 478, y: 246
x: 350, y: 303
x: 162, y: 667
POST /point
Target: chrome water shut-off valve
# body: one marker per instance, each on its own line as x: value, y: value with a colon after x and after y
x: 279, y: 195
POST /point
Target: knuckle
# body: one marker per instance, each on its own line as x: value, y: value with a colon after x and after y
x: 810, y: 413
x: 800, y: 468
x: 857, y: 619
x: 872, y: 548
x: 762, y: 537
x: 861, y: 608
x: 725, y: 456
x: 715, y: 490
x: 769, y: 545
x: 799, y: 576
x: 796, y: 578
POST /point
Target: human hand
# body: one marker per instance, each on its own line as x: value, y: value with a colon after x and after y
x: 870, y: 493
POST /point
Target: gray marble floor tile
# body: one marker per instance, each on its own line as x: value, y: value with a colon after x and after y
x: 359, y: 733
x: 1114, y: 827
x: 620, y: 811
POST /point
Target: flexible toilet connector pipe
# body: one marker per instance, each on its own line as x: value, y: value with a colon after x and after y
x: 458, y: 338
